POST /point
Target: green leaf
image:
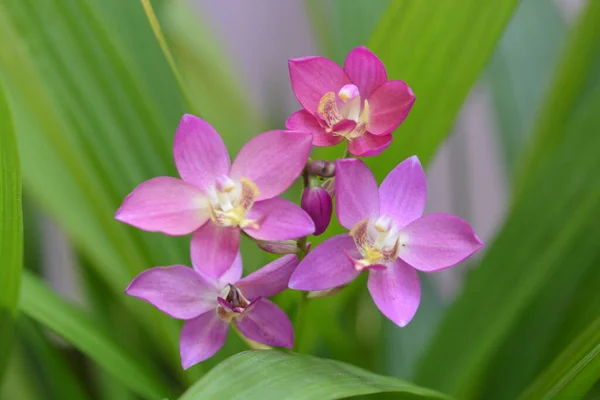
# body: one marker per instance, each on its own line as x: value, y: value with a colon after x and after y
x: 274, y: 375
x: 11, y: 230
x: 499, y: 333
x: 42, y: 305
x: 574, y: 372
x: 520, y: 70
x: 439, y: 51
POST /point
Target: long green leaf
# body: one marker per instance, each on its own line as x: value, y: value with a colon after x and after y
x: 274, y: 375
x: 499, y: 332
x: 11, y: 230
x: 440, y: 51
x: 42, y: 305
x: 573, y: 372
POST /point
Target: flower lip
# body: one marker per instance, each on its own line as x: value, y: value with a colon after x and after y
x: 232, y: 303
x: 377, y: 240
x: 231, y: 200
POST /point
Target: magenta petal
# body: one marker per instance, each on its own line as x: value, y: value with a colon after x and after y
x: 201, y: 338
x: 273, y: 160
x: 357, y: 196
x: 437, y: 241
x: 303, y: 121
x: 313, y: 77
x: 327, y: 266
x: 200, y: 154
x: 279, y: 219
x: 270, y: 279
x: 165, y: 204
x: 266, y: 323
x: 403, y: 193
x: 214, y: 249
x: 231, y: 274
x: 396, y: 291
x: 317, y: 203
x: 389, y: 106
x: 369, y: 145
x: 365, y: 70
x: 176, y: 290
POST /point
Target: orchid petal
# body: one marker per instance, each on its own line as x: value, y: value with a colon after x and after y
x: 214, y: 248
x: 369, y: 145
x: 176, y: 290
x: 396, y: 291
x: 365, y: 70
x: 437, y: 241
x: 303, y: 121
x: 270, y: 279
x: 327, y: 266
x: 279, y: 219
x: 273, y: 160
x: 231, y: 274
x: 389, y: 105
x: 201, y: 338
x: 403, y: 193
x: 200, y: 154
x: 266, y: 323
x: 357, y: 197
x: 313, y: 77
x: 165, y: 204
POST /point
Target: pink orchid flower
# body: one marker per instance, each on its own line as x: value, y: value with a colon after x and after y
x: 216, y: 200
x: 209, y: 305
x: 388, y: 236
x: 356, y: 103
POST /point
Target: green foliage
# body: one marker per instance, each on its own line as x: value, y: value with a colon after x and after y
x: 11, y: 230
x: 276, y: 375
x: 499, y: 333
x: 39, y: 303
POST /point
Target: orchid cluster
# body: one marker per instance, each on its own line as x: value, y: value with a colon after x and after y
x: 217, y: 201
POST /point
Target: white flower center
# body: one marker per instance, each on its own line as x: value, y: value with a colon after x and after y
x: 377, y: 240
x: 236, y: 303
x: 230, y: 202
x: 344, y: 114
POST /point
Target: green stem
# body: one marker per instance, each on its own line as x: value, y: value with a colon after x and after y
x: 346, y: 152
x: 300, y: 322
x: 162, y: 42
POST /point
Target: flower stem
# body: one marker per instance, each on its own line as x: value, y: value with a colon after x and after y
x: 346, y: 152
x: 300, y: 322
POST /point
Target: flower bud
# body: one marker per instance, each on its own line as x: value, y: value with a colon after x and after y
x: 317, y: 203
x: 323, y: 168
x: 329, y: 186
x: 282, y: 247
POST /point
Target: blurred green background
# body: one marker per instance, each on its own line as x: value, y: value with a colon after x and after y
x: 507, y: 120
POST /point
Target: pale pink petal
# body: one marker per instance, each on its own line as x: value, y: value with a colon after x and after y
x: 279, y: 219
x: 437, y: 241
x: 270, y: 279
x: 273, y: 161
x: 231, y: 274
x: 266, y: 323
x: 176, y: 290
x: 396, y: 291
x: 214, y: 249
x: 201, y: 338
x: 365, y: 70
x: 165, y: 204
x: 327, y: 266
x: 317, y: 203
x: 357, y: 197
x: 313, y: 77
x: 389, y: 105
x: 200, y: 154
x: 403, y: 193
x: 369, y: 145
x: 303, y: 121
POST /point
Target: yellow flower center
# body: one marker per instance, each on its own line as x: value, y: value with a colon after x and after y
x: 377, y: 240
x: 230, y: 202
x: 346, y: 105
